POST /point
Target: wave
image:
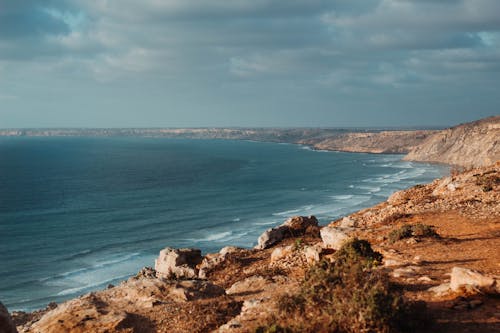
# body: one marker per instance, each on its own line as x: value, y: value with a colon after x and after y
x: 96, y: 284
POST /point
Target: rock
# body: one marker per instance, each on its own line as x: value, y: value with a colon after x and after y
x: 280, y: 253
x: 178, y: 263
x: 88, y: 313
x: 392, y: 262
x: 252, y: 284
x: 6, y: 324
x: 228, y: 249
x: 209, y: 262
x: 405, y: 272
x: 424, y: 278
x: 294, y: 226
x: 333, y: 237
x: 312, y: 253
x: 299, y: 224
x: 271, y: 237
x: 441, y: 289
x: 190, y: 290
x: 462, y: 277
x: 348, y: 222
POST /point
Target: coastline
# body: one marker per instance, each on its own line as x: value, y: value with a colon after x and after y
x: 257, y: 277
x: 319, y: 206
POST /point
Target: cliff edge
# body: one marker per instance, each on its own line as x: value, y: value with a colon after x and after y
x: 467, y: 145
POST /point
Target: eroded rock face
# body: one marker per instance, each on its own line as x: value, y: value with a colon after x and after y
x: 6, y: 324
x: 178, y: 263
x: 334, y: 238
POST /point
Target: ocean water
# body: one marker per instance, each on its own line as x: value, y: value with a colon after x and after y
x: 79, y: 213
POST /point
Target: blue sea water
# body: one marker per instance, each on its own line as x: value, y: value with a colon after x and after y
x: 79, y: 213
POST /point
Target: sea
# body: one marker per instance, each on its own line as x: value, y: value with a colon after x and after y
x: 79, y: 213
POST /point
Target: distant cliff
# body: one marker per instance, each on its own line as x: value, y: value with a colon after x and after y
x: 385, y: 142
x: 468, y: 145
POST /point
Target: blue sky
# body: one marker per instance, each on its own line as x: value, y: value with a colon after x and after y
x: 185, y: 63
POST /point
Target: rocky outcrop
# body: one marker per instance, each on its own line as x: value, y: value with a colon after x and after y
x: 469, y: 145
x: 6, y: 324
x: 293, y: 227
x: 178, y: 263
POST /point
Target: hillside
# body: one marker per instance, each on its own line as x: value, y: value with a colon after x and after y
x: 467, y: 145
x: 240, y: 290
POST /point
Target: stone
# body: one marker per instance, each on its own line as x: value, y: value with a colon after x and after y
x: 294, y: 226
x: 348, y: 222
x: 178, y: 263
x: 252, y: 284
x: 312, y: 253
x: 462, y: 277
x: 333, y: 237
x: 441, y: 289
x: 6, y: 324
x: 271, y: 237
x: 228, y: 250
x: 299, y: 224
x: 281, y: 252
x: 405, y: 272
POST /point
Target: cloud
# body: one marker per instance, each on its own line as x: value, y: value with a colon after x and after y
x: 333, y: 48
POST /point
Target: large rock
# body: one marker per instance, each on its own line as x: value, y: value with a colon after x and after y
x: 178, y: 263
x: 6, y: 324
x: 280, y: 253
x: 463, y: 277
x: 293, y: 227
x: 334, y: 238
x: 271, y: 237
x: 299, y: 224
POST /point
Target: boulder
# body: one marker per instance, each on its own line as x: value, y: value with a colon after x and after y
x: 271, y: 237
x: 299, y: 224
x: 312, y: 253
x: 334, y: 238
x: 178, y: 263
x: 6, y: 324
x: 463, y: 277
x: 294, y: 226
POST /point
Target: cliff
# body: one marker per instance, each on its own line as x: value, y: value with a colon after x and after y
x: 439, y: 244
x: 467, y: 145
x: 384, y: 142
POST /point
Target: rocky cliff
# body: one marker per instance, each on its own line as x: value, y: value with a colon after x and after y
x: 384, y: 142
x: 467, y: 145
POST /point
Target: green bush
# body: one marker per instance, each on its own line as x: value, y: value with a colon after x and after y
x: 346, y: 295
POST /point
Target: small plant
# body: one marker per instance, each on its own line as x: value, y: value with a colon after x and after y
x: 297, y: 246
x: 417, y: 230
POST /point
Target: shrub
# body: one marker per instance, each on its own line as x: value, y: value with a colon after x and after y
x: 347, y: 295
x: 417, y: 230
x: 487, y: 181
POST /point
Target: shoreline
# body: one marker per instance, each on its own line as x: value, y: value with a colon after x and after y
x: 279, y: 216
x: 417, y: 264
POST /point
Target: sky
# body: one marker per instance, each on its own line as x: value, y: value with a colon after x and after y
x: 248, y: 63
